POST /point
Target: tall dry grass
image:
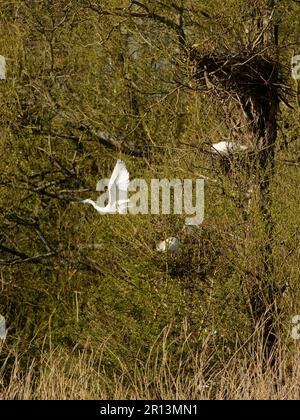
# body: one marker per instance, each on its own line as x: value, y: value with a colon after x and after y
x: 83, y: 374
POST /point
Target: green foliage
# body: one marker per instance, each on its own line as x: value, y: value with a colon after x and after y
x: 69, y: 275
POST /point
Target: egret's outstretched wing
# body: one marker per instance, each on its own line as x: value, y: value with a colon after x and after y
x: 120, y: 176
x: 118, y: 183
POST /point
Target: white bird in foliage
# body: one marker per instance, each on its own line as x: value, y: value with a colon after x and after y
x: 2, y: 68
x: 226, y: 148
x: 172, y: 245
x: 2, y: 328
x: 117, y: 191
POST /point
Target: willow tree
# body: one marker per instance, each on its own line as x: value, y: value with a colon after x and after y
x: 91, y: 79
x: 234, y: 60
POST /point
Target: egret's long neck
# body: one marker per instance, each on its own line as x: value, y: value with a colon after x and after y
x: 96, y: 207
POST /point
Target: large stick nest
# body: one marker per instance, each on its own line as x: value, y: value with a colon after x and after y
x: 240, y: 75
x: 252, y: 80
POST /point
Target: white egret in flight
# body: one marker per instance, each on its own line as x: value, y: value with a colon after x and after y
x: 2, y: 68
x: 172, y: 245
x: 117, y: 191
x: 225, y: 148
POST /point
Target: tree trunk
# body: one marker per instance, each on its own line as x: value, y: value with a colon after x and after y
x: 264, y: 300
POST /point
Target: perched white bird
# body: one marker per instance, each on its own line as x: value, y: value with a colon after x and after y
x: 2, y: 328
x: 226, y: 148
x: 117, y: 191
x: 171, y: 245
x: 2, y: 68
